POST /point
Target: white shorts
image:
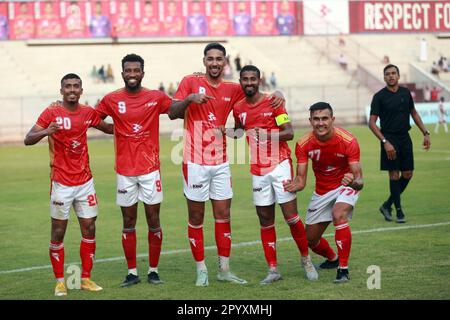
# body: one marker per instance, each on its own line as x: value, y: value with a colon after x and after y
x: 146, y: 188
x: 201, y: 183
x: 321, y: 206
x: 82, y: 198
x: 269, y: 188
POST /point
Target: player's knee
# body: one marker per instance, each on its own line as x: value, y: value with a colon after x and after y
x: 58, y: 234
x: 394, y: 175
x: 407, y: 175
x: 129, y: 222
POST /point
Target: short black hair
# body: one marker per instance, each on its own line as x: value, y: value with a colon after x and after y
x: 391, y: 66
x: 214, y: 45
x: 250, y: 67
x: 132, y: 58
x: 321, y: 106
x: 70, y: 76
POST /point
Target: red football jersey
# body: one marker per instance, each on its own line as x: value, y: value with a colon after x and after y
x: 264, y: 155
x: 200, y: 144
x: 330, y: 159
x: 136, y: 128
x: 69, y: 158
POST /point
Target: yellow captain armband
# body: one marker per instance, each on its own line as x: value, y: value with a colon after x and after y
x: 282, y: 119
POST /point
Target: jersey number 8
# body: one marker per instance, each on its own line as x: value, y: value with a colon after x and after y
x: 122, y: 107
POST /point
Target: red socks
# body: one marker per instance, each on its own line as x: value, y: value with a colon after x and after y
x: 298, y: 233
x: 56, y: 252
x: 155, y: 237
x: 223, y: 237
x: 87, y: 252
x: 129, y: 246
x: 269, y: 242
x: 323, y: 248
x: 343, y: 238
x: 195, y: 235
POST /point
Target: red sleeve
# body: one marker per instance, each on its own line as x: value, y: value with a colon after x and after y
x: 236, y: 115
x: 184, y: 89
x: 301, y: 154
x: 45, y: 118
x: 353, y: 153
x: 238, y: 94
x: 165, y: 102
x: 280, y: 110
x: 102, y: 108
x: 94, y: 117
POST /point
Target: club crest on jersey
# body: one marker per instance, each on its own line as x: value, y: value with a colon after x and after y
x: 202, y: 90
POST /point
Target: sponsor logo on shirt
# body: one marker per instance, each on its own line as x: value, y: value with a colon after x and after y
x: 136, y: 127
x: 226, y: 99
x: 121, y: 191
x: 197, y: 186
x: 312, y: 210
x: 152, y: 103
x: 340, y: 155
x: 75, y: 144
x: 267, y: 114
x: 88, y: 122
x: 257, y: 189
x: 57, y: 203
x: 211, y: 117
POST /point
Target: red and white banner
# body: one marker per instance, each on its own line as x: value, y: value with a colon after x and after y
x: 399, y: 16
x: 148, y: 18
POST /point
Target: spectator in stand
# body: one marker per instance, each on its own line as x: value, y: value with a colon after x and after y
x: 237, y: 62
x: 273, y: 80
x: 109, y: 74
x: 426, y: 94
x: 435, y: 93
x: 161, y: 87
x: 101, y: 73
x: 444, y: 64
x: 423, y: 56
x: 342, y: 61
x: 386, y: 59
x: 171, y: 90
x: 435, y: 69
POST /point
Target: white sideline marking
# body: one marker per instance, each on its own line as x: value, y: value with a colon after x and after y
x: 242, y: 244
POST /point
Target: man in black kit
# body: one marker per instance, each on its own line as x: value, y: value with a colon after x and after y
x: 393, y: 105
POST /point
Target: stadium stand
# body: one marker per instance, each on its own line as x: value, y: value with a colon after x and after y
x: 307, y: 69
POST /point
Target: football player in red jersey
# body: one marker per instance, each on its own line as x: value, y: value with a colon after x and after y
x: 267, y: 131
x: 335, y: 157
x: 72, y: 184
x: 205, y: 101
x: 135, y: 111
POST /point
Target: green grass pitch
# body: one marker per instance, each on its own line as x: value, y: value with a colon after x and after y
x: 414, y: 258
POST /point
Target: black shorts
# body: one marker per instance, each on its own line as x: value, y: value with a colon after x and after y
x: 404, y: 148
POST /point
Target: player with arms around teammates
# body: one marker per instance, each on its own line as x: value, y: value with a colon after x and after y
x: 72, y: 184
x: 335, y: 156
x: 135, y: 111
x: 267, y: 131
x: 205, y: 101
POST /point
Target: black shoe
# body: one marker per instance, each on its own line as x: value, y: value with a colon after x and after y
x: 327, y: 264
x: 153, y: 278
x: 342, y: 276
x: 130, y: 280
x: 386, y: 212
x: 400, y: 217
